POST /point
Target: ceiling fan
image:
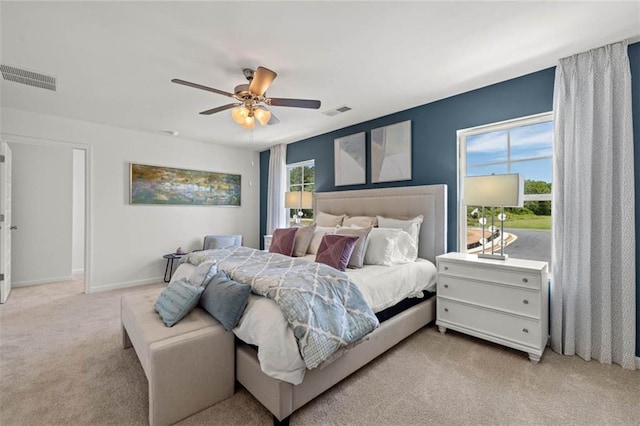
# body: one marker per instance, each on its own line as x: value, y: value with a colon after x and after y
x: 252, y: 100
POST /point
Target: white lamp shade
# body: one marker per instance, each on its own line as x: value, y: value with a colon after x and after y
x: 494, y: 190
x: 298, y: 200
x: 262, y: 115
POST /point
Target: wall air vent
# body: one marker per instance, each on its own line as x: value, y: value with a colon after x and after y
x: 30, y: 78
x: 336, y: 111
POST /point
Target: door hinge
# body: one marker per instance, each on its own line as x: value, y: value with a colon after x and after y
x: 1, y: 218
x: 1, y: 277
x: 1, y: 158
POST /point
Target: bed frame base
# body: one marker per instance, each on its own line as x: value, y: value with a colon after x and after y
x: 282, y: 398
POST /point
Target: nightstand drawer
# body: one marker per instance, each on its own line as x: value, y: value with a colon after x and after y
x: 510, y: 327
x: 490, y: 273
x: 515, y: 299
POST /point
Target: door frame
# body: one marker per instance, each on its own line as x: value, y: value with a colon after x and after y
x: 88, y: 200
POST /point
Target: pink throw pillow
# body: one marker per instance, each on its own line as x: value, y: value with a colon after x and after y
x: 283, y: 241
x: 335, y: 250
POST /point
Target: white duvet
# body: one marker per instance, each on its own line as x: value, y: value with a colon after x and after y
x: 264, y: 325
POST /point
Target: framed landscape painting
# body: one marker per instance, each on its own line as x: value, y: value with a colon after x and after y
x: 349, y: 159
x: 391, y: 152
x: 168, y: 185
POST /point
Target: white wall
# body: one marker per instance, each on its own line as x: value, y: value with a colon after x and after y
x: 77, y: 247
x: 127, y: 241
x: 41, y: 209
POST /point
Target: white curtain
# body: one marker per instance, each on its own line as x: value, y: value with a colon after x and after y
x: 276, y: 213
x: 593, y: 288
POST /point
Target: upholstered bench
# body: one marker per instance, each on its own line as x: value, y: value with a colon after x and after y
x: 189, y: 366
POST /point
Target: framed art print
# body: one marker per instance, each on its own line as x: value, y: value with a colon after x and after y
x: 391, y: 152
x: 350, y: 160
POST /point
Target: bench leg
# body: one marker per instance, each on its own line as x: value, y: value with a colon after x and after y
x: 126, y: 342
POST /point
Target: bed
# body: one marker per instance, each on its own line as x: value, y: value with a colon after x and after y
x: 284, y: 392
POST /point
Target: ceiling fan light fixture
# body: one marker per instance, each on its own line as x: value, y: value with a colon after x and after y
x: 248, y: 123
x: 240, y: 114
x: 263, y: 115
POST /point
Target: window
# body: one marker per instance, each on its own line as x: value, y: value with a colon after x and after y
x: 524, y: 146
x: 301, y: 177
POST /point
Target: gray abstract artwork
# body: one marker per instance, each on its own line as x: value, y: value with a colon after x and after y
x: 350, y: 160
x: 391, y: 152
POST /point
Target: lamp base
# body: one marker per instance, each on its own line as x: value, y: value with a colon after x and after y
x: 493, y: 256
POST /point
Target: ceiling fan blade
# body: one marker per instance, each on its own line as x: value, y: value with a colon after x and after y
x: 220, y: 108
x: 297, y: 103
x: 262, y: 79
x: 273, y: 120
x: 201, y: 87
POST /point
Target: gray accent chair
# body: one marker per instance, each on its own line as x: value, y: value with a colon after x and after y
x: 221, y: 241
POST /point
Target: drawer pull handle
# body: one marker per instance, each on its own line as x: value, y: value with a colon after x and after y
x: 446, y: 286
x: 525, y: 330
x: 446, y: 309
x: 525, y: 301
x: 524, y: 280
x: 446, y: 268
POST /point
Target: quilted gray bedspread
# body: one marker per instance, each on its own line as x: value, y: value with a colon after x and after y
x: 325, y: 309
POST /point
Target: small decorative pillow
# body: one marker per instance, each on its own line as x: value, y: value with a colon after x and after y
x: 360, y: 221
x: 177, y: 300
x: 326, y: 219
x: 283, y: 241
x: 319, y: 232
x: 225, y: 299
x: 203, y: 273
x: 381, y: 246
x: 335, y: 250
x: 410, y: 226
x: 303, y: 239
x: 357, y: 257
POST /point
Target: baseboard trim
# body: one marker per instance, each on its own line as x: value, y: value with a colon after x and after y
x: 638, y: 363
x: 41, y: 281
x: 125, y: 284
x: 77, y: 271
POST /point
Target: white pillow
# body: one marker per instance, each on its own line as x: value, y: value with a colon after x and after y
x: 411, y: 226
x: 360, y: 221
x: 318, y: 233
x: 404, y: 249
x: 326, y: 219
x: 381, y: 246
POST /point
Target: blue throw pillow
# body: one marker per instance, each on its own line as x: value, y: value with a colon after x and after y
x: 225, y: 299
x: 177, y: 300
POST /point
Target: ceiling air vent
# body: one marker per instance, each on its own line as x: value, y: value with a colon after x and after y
x: 337, y: 111
x: 30, y: 78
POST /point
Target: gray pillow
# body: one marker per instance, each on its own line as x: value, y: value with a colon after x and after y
x: 177, y: 300
x: 357, y: 257
x: 303, y: 239
x: 225, y: 299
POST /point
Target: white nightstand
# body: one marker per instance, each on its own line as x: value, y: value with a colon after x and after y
x: 503, y: 301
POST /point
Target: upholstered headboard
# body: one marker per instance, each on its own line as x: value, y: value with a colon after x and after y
x: 401, y: 202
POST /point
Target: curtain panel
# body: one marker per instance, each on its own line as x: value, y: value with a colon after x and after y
x: 276, y: 213
x: 593, y: 286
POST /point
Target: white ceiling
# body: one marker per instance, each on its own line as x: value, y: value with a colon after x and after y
x: 114, y: 60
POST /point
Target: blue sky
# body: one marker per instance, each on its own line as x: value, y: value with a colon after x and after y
x: 527, y: 142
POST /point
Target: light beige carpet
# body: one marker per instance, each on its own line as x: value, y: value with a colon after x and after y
x: 61, y: 362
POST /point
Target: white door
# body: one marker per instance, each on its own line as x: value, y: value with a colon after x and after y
x: 5, y: 221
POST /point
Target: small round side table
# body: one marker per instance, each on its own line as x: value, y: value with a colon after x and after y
x: 168, y: 271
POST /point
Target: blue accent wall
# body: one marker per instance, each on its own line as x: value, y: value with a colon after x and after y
x: 434, y: 142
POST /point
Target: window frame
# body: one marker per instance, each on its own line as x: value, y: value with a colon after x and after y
x: 302, y: 164
x: 461, y: 154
